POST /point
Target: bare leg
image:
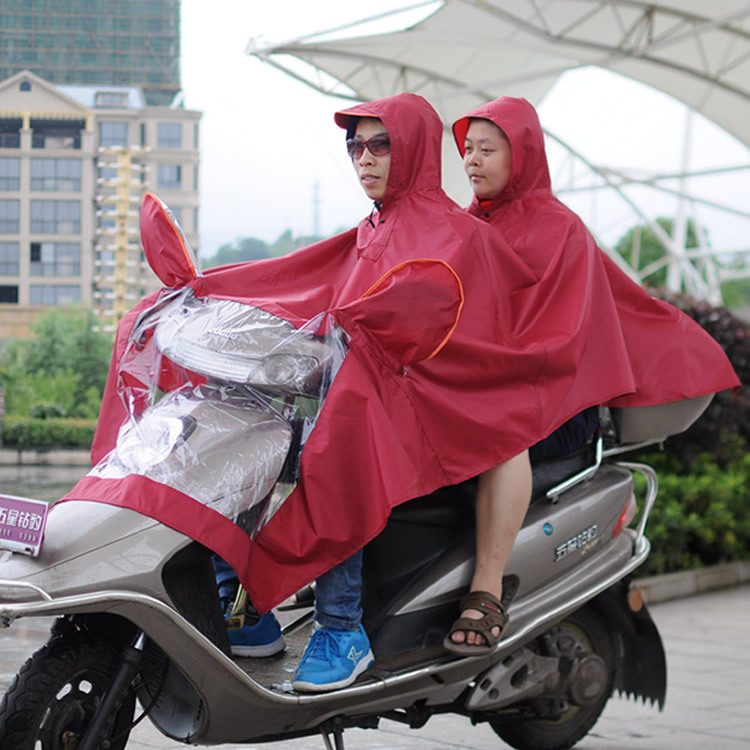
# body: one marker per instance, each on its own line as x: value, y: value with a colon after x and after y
x: 502, y: 501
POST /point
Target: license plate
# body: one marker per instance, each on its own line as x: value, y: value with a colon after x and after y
x: 22, y: 523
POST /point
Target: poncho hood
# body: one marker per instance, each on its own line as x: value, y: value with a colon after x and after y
x: 416, y: 134
x: 518, y: 119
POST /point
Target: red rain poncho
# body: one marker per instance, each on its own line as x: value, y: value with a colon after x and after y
x: 599, y: 312
x: 385, y: 434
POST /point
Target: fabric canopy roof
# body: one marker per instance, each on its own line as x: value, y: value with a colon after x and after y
x: 469, y: 51
x: 462, y: 53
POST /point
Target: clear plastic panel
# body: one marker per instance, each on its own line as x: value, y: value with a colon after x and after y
x: 220, y: 398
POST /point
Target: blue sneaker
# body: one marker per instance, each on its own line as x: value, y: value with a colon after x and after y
x: 333, y: 659
x: 262, y: 639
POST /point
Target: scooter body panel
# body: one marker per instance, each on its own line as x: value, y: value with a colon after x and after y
x: 90, y: 547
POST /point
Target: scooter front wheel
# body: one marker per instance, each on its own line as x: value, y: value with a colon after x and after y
x: 582, y: 634
x: 54, y: 697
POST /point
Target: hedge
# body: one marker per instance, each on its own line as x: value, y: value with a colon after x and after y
x: 699, y: 518
x: 29, y: 433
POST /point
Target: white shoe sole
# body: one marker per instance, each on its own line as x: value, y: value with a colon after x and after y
x: 312, y: 687
x: 267, y: 649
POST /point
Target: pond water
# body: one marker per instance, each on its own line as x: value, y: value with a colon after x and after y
x: 39, y: 482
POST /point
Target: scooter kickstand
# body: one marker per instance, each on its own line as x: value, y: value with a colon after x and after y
x: 338, y: 738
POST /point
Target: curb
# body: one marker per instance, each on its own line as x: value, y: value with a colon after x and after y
x: 691, y: 582
x: 45, y: 457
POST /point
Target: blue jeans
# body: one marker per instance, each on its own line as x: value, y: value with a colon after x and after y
x: 338, y: 593
x: 226, y: 580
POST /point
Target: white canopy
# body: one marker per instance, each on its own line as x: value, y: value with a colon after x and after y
x: 466, y: 52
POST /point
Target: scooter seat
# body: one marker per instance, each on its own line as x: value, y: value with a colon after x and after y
x: 454, y: 505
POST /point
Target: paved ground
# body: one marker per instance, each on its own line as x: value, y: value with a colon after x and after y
x: 707, y: 639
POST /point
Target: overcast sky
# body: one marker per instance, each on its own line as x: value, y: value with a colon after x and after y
x: 268, y: 140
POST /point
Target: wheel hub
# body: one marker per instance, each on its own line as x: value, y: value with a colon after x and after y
x: 589, y: 681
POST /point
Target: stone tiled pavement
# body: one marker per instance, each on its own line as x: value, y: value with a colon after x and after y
x: 707, y: 639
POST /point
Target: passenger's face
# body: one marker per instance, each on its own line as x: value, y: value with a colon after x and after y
x: 487, y: 159
x: 372, y: 171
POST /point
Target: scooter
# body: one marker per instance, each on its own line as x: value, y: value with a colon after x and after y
x: 138, y: 626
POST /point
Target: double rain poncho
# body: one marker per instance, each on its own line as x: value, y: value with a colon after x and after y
x: 447, y: 370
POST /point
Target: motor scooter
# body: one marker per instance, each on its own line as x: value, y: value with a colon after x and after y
x: 138, y: 627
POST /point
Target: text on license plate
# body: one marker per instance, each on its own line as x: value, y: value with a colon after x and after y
x: 22, y: 523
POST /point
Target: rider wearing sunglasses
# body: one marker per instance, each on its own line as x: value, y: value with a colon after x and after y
x: 378, y: 145
x: 370, y: 152
x: 404, y: 185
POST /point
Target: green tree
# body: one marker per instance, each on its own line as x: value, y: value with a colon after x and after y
x: 239, y: 251
x: 250, y: 248
x: 642, y: 241
x: 287, y: 243
x: 61, y: 371
x: 736, y: 293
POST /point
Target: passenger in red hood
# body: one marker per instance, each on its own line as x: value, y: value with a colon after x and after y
x: 581, y: 302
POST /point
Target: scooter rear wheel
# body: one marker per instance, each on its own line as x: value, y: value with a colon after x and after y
x: 581, y: 633
x: 54, y: 697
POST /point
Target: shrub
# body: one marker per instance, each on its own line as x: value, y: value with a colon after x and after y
x: 728, y: 416
x: 702, y: 514
x: 699, y: 518
x: 28, y: 432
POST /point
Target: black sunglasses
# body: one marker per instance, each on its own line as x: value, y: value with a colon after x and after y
x: 378, y: 145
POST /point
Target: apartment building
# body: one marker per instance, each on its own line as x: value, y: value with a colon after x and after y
x: 75, y: 161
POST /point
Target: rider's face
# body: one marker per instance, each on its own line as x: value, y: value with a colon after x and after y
x: 487, y: 159
x: 372, y: 171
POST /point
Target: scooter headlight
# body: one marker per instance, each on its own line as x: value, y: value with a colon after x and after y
x: 285, y: 372
x: 290, y: 370
x: 231, y: 342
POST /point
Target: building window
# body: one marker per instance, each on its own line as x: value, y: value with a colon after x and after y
x: 170, y: 176
x: 24, y: 86
x: 111, y: 99
x: 113, y: 134
x: 10, y: 132
x: 56, y: 174
x: 143, y: 134
x: 9, y: 253
x: 109, y: 174
x: 57, y: 294
x: 196, y: 136
x: 10, y: 173
x: 56, y: 217
x: 170, y: 135
x: 8, y: 294
x: 107, y: 222
x: 55, y: 259
x: 9, y: 212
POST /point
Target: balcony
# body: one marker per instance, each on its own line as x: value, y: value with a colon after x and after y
x: 56, y: 134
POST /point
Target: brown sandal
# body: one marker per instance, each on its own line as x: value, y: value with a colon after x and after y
x: 494, y: 615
